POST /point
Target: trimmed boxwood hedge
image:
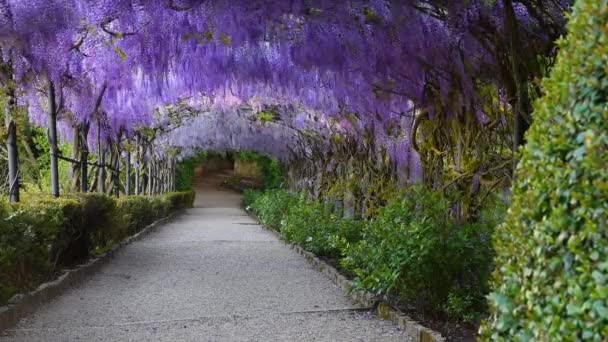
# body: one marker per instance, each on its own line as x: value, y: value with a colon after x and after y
x: 551, y: 276
x: 42, y: 234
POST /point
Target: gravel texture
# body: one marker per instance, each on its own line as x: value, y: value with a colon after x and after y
x: 212, y: 274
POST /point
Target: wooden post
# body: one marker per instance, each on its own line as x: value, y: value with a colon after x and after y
x: 164, y: 176
x: 156, y: 178
x: 137, y: 164
x: 101, y: 183
x: 11, y: 138
x: 117, y: 172
x: 172, y: 174
x: 52, y: 135
x: 84, y: 158
x: 13, y: 162
x: 76, y: 155
x: 128, y: 173
x: 150, y: 177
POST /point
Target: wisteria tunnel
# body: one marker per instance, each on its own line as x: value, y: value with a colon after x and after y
x: 304, y: 170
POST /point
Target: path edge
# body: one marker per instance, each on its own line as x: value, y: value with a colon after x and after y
x: 382, y: 309
x: 22, y: 305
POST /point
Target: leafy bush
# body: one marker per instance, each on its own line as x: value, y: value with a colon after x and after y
x: 184, y: 171
x: 272, y: 172
x: 411, y: 251
x: 314, y: 225
x: 28, y: 240
x: 180, y: 200
x: 99, y: 226
x: 250, y: 196
x: 136, y: 212
x: 42, y: 234
x: 407, y: 231
x: 551, y: 277
x: 414, y: 252
x: 272, y: 206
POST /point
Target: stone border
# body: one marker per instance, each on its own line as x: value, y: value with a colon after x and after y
x: 22, y: 305
x: 412, y: 329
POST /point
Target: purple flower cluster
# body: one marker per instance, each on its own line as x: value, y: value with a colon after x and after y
x: 327, y: 67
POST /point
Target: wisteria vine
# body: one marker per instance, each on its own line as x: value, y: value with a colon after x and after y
x: 425, y: 79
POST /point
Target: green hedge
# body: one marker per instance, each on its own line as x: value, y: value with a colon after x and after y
x: 184, y: 172
x: 272, y: 171
x: 316, y: 227
x: 551, y: 276
x: 271, y: 206
x: 411, y: 251
x: 41, y: 235
x: 312, y: 224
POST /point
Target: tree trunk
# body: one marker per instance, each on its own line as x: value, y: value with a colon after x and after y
x: 156, y: 178
x: 11, y: 144
x: 11, y: 139
x: 84, y: 158
x: 117, y: 173
x: 84, y: 171
x: 522, y: 108
x: 150, y: 178
x: 101, y: 183
x: 95, y: 172
x: 76, y: 155
x: 128, y: 173
x: 84, y: 146
x: 166, y: 176
x: 137, y: 164
x: 172, y: 175
x: 161, y: 175
x: 52, y: 133
x: 13, y: 162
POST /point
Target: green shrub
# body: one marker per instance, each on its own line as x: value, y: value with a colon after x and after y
x: 551, y: 277
x: 411, y: 251
x: 28, y: 239
x: 184, y: 171
x: 314, y: 226
x: 414, y: 252
x: 136, y: 212
x: 250, y: 196
x: 181, y: 200
x: 311, y: 224
x: 272, y: 205
x: 272, y: 172
x: 42, y: 234
x: 100, y: 224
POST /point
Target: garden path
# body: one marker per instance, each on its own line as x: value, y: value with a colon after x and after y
x: 210, y: 274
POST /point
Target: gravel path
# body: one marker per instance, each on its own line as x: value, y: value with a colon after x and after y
x: 212, y: 274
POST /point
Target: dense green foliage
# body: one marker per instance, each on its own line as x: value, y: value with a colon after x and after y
x: 271, y: 206
x: 42, y: 234
x: 316, y: 227
x: 184, y: 172
x: 414, y: 251
x: 33, y: 147
x: 551, y: 279
x: 411, y: 251
x: 310, y: 223
x: 272, y: 172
